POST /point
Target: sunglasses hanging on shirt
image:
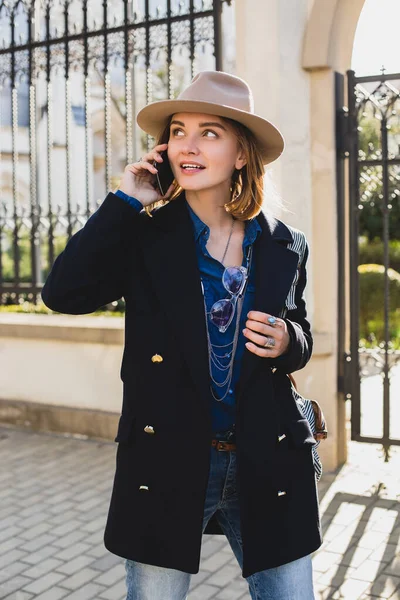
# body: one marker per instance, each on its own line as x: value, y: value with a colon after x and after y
x: 234, y: 281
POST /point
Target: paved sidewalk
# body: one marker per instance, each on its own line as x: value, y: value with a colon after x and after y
x: 52, y: 518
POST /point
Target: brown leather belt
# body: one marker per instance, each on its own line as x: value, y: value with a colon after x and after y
x: 222, y: 446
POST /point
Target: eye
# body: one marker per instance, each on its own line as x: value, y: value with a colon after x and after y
x: 174, y: 131
x: 211, y: 131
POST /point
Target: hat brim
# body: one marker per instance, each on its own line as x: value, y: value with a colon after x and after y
x: 153, y: 119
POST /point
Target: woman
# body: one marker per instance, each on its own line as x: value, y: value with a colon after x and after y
x: 210, y: 436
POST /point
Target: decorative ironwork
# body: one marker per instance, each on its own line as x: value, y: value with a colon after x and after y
x: 368, y: 136
x: 73, y: 73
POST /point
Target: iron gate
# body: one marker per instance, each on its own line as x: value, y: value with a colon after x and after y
x: 73, y: 75
x: 368, y: 182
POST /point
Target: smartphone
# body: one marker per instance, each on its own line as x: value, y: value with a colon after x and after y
x: 164, y: 175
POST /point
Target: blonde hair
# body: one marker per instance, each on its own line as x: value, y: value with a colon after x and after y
x: 247, y: 187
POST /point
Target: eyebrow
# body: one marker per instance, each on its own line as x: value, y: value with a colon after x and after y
x: 208, y: 124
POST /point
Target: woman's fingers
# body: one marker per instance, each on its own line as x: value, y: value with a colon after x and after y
x: 257, y: 315
x: 255, y: 337
x: 143, y: 165
x: 155, y: 153
x: 265, y: 329
x: 263, y: 352
x: 258, y: 328
x: 152, y: 156
x: 140, y: 178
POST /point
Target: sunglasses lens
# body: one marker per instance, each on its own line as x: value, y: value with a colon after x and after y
x: 233, y: 279
x: 221, y: 312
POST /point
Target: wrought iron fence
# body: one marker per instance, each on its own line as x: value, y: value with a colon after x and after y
x: 73, y: 75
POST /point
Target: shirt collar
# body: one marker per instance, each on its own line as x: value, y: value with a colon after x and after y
x: 252, y: 227
x: 199, y: 225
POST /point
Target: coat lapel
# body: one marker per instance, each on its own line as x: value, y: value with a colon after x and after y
x: 275, y: 268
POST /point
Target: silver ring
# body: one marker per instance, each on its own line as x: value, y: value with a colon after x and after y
x: 272, y: 320
x: 270, y: 342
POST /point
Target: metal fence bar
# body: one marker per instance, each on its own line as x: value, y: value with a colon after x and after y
x: 385, y: 190
x: 375, y: 78
x: 49, y: 106
x: 68, y: 110
x: 15, y: 158
x: 169, y: 53
x: 149, y: 86
x: 34, y: 207
x: 128, y: 89
x: 341, y: 122
x: 87, y: 114
x: 192, y: 45
x: 354, y: 260
x: 374, y: 163
x: 107, y: 102
x: 385, y: 441
x: 2, y: 207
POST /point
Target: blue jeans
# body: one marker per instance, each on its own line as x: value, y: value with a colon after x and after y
x: 292, y: 581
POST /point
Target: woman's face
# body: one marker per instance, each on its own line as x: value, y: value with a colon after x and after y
x: 208, y: 142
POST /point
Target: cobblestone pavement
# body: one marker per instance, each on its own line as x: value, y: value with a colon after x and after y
x: 52, y: 519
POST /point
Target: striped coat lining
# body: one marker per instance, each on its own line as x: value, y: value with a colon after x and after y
x: 299, y: 246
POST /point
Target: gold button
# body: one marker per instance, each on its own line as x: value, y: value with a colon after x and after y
x: 281, y: 493
x: 281, y: 437
x: 157, y: 358
x: 149, y: 429
x: 144, y: 488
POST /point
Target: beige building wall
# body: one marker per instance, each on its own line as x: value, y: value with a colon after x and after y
x: 68, y: 360
x: 70, y: 380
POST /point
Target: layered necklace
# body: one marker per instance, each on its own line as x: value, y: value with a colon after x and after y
x: 221, y: 315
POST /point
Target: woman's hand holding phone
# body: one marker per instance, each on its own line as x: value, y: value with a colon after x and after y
x: 140, y: 178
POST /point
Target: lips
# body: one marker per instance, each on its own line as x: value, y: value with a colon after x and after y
x: 191, y: 171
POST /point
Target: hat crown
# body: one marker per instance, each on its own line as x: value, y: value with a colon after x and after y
x: 220, y: 88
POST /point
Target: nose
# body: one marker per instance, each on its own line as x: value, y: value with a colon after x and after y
x: 190, y: 146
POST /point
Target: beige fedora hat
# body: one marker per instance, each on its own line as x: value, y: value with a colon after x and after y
x: 221, y: 94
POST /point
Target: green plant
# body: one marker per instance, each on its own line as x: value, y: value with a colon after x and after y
x: 372, y: 252
x: 372, y: 282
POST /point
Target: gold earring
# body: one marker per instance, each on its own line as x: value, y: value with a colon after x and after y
x: 237, y: 186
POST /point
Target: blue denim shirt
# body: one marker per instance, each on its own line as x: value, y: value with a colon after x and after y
x: 211, y: 271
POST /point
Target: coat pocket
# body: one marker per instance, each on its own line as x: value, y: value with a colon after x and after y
x: 125, y: 428
x: 300, y: 433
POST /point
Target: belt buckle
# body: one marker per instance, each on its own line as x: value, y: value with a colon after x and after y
x: 221, y: 446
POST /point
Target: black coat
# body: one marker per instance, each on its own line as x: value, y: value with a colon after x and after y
x: 123, y: 253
